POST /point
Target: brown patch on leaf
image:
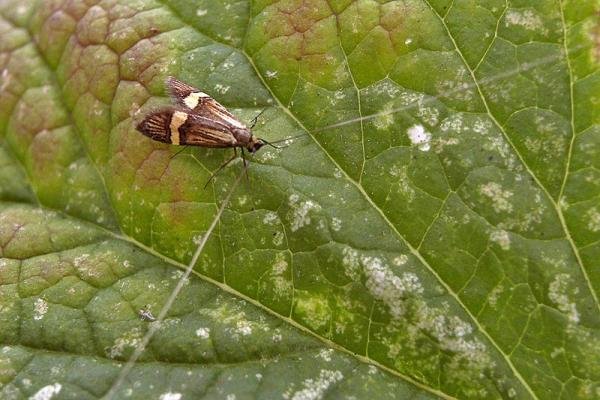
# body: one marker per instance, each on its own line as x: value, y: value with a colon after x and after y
x: 301, y: 15
x: 93, y: 27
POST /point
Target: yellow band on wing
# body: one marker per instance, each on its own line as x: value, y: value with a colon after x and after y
x: 177, y: 120
x: 192, y: 99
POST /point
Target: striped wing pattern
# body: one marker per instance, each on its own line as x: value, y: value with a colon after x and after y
x: 201, y: 131
x: 156, y: 125
x: 197, y: 120
x: 200, y: 103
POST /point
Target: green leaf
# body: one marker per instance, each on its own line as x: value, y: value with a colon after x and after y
x: 439, y: 221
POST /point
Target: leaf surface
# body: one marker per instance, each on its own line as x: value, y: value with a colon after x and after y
x: 440, y: 219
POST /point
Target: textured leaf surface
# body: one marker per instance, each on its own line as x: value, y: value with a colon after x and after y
x: 450, y: 237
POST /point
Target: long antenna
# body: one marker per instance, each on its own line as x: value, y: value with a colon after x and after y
x: 272, y: 144
x: 521, y: 68
x: 291, y: 138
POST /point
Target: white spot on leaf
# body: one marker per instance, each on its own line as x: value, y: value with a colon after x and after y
x: 493, y: 298
x: 244, y: 328
x: 502, y: 238
x: 270, y: 218
x: 527, y: 19
x: 499, y: 196
x: 336, y: 224
x: 351, y: 263
x: 281, y: 285
x: 170, y: 396
x: 300, y: 212
x: 558, y: 293
x: 40, y: 309
x: 278, y: 238
x: 203, y: 333
x: 47, y: 392
x: 130, y: 339
x: 400, y: 260
x: 314, y: 389
x: 593, y: 217
x: 325, y: 354
x: 385, y: 118
x: 384, y: 285
x: 419, y: 137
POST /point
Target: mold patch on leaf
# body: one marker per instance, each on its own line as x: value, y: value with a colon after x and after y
x: 441, y: 254
x: 384, y: 285
x: 313, y: 310
x: 170, y: 396
x: 499, y: 197
x: 316, y: 388
x: 279, y: 277
x: 527, y: 19
x: 125, y: 344
x: 559, y: 293
x: 300, y: 213
x: 593, y: 217
x: 40, y: 309
x: 502, y: 238
x: 203, y: 333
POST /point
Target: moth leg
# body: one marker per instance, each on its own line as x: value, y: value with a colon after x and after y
x: 184, y: 147
x: 245, y: 164
x: 221, y: 167
x: 255, y: 119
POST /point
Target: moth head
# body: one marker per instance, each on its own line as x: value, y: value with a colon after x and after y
x: 255, y: 144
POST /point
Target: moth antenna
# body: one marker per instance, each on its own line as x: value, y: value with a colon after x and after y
x: 254, y: 120
x: 272, y: 145
x: 283, y: 140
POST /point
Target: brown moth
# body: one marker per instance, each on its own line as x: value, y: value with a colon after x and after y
x: 198, y: 120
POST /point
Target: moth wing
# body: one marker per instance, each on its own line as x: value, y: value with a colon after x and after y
x: 156, y: 125
x: 178, y: 126
x: 206, y: 132
x: 179, y: 90
x: 199, y: 103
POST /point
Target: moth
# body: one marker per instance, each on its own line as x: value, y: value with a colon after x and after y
x: 146, y: 315
x: 197, y: 119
